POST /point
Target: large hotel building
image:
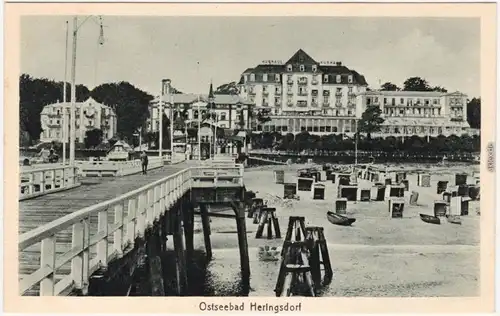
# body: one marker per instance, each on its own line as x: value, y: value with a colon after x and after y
x: 327, y: 97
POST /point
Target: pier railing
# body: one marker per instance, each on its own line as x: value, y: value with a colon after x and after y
x: 74, y: 246
x: 36, y: 182
x: 115, y: 168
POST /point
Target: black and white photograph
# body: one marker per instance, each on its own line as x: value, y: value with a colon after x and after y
x: 250, y: 156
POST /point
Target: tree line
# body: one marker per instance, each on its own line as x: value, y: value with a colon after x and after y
x: 130, y: 103
x: 307, y: 142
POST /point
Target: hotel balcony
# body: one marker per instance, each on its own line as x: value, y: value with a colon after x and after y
x: 302, y: 94
x: 289, y: 103
x: 265, y: 92
x: 326, y: 104
x: 351, y: 94
x: 338, y: 104
x: 302, y: 81
x: 251, y: 92
x: 289, y: 81
x: 277, y: 92
x: 338, y: 94
x: 314, y: 81
x: 314, y: 104
x: 289, y: 92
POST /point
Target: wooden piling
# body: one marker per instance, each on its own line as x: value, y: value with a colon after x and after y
x: 180, y: 260
x: 296, y: 270
x: 188, y: 219
x: 239, y: 211
x: 205, y: 221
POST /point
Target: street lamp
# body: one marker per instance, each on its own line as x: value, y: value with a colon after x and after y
x: 64, y: 107
x: 76, y: 27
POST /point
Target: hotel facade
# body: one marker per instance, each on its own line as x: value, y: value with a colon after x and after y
x: 408, y: 113
x: 230, y: 110
x: 302, y: 94
x: 88, y: 114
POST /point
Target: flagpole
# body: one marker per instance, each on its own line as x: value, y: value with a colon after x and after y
x: 215, y: 135
x: 199, y: 130
x: 160, y: 113
x: 356, y: 144
x: 73, y: 96
x: 171, y: 125
x: 64, y: 118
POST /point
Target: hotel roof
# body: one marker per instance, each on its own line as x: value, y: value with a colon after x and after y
x: 302, y: 58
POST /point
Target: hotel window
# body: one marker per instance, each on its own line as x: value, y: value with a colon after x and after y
x: 418, y: 101
x: 426, y: 101
x: 57, y: 112
x: 302, y: 90
x: 264, y: 89
x: 264, y: 77
x: 277, y: 101
x: 252, y: 77
x: 57, y: 122
x: 277, y: 90
x: 246, y: 78
x: 350, y: 89
x: 289, y: 68
x: 350, y: 79
x: 302, y: 68
x: 402, y: 101
x: 314, y: 101
x: 223, y: 116
x: 349, y: 113
x: 314, y: 68
x: 277, y: 77
x: 326, y: 99
x: 435, y: 101
x: 325, y: 78
x: 375, y: 100
x: 338, y: 78
x: 385, y: 101
x: 368, y: 101
x: 289, y: 77
x: 314, y: 92
x: 393, y: 101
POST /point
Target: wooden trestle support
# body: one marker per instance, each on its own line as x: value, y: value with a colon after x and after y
x: 304, y: 256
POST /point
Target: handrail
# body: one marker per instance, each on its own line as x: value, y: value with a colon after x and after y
x: 46, y: 180
x: 142, y: 207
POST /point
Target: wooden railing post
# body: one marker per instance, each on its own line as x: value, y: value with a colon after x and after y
x: 31, y: 185
x: 86, y: 251
x: 102, y: 245
x: 163, y: 198
x: 141, y: 216
x: 132, y: 224
x: 42, y: 181
x: 78, y: 242
x: 48, y: 259
x: 150, y: 208
x: 118, y: 234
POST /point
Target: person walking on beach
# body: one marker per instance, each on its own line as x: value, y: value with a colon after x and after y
x: 144, y: 162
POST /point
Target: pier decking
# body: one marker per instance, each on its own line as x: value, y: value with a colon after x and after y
x: 67, y: 236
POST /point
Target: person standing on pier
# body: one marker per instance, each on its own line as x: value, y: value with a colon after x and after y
x: 144, y: 162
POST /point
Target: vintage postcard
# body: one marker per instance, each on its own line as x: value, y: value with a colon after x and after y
x: 249, y: 158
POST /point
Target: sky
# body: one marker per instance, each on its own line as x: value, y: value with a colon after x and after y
x: 193, y: 51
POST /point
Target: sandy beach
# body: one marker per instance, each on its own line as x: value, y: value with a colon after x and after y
x: 377, y: 256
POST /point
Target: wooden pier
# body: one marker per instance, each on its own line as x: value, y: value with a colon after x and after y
x: 89, y: 240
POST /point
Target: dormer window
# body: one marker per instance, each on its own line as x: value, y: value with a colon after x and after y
x: 264, y: 77
x: 315, y: 68
x: 302, y: 68
x: 325, y: 79
x: 289, y: 68
x: 252, y: 77
x: 277, y: 77
x: 350, y: 79
x: 338, y: 79
x: 246, y: 78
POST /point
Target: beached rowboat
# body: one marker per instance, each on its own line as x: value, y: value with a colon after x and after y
x: 430, y: 219
x: 338, y: 219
